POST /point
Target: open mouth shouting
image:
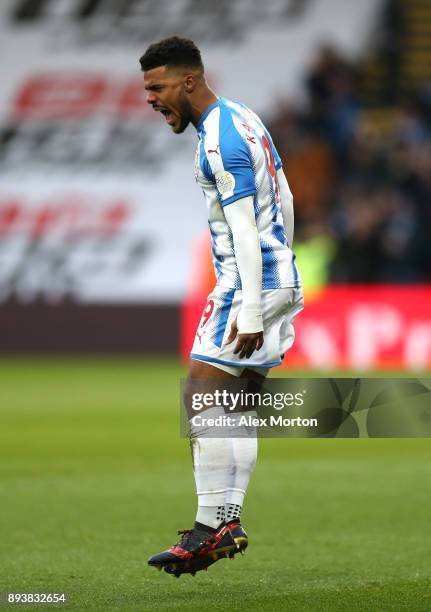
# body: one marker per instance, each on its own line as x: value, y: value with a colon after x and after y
x: 169, y: 116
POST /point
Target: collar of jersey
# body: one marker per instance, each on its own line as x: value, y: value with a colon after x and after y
x: 207, y: 112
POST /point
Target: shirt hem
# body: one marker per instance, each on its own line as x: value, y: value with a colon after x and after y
x: 289, y: 285
x: 234, y: 363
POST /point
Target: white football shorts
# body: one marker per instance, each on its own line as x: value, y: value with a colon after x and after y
x: 279, y: 309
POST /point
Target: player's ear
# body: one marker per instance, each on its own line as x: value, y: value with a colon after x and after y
x: 190, y: 83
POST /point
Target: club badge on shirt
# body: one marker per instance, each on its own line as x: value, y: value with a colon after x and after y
x: 225, y: 182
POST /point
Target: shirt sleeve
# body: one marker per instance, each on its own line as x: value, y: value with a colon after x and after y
x: 277, y: 159
x: 286, y: 198
x: 232, y: 166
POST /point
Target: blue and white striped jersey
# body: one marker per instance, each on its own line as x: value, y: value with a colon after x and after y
x: 235, y: 158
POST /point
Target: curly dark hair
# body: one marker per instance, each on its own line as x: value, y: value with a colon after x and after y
x: 172, y: 51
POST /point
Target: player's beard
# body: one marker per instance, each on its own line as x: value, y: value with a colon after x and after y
x: 184, y: 115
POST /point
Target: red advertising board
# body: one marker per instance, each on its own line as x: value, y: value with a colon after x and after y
x: 352, y: 327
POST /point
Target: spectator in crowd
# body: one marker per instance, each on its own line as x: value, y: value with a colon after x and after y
x: 371, y: 193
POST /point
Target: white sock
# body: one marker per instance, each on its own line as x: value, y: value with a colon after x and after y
x: 222, y: 468
x: 212, y: 516
x: 244, y: 451
x: 212, y: 464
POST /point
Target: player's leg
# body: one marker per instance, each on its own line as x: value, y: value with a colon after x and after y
x: 244, y: 452
x: 244, y: 446
x: 212, y: 454
x: 222, y: 465
x: 212, y: 458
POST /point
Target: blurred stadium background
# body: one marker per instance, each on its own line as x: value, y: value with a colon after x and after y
x: 104, y: 243
x: 105, y: 266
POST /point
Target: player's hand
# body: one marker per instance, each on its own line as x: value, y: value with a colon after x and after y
x: 246, y: 343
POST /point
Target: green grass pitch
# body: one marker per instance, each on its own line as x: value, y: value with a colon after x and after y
x: 94, y: 479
